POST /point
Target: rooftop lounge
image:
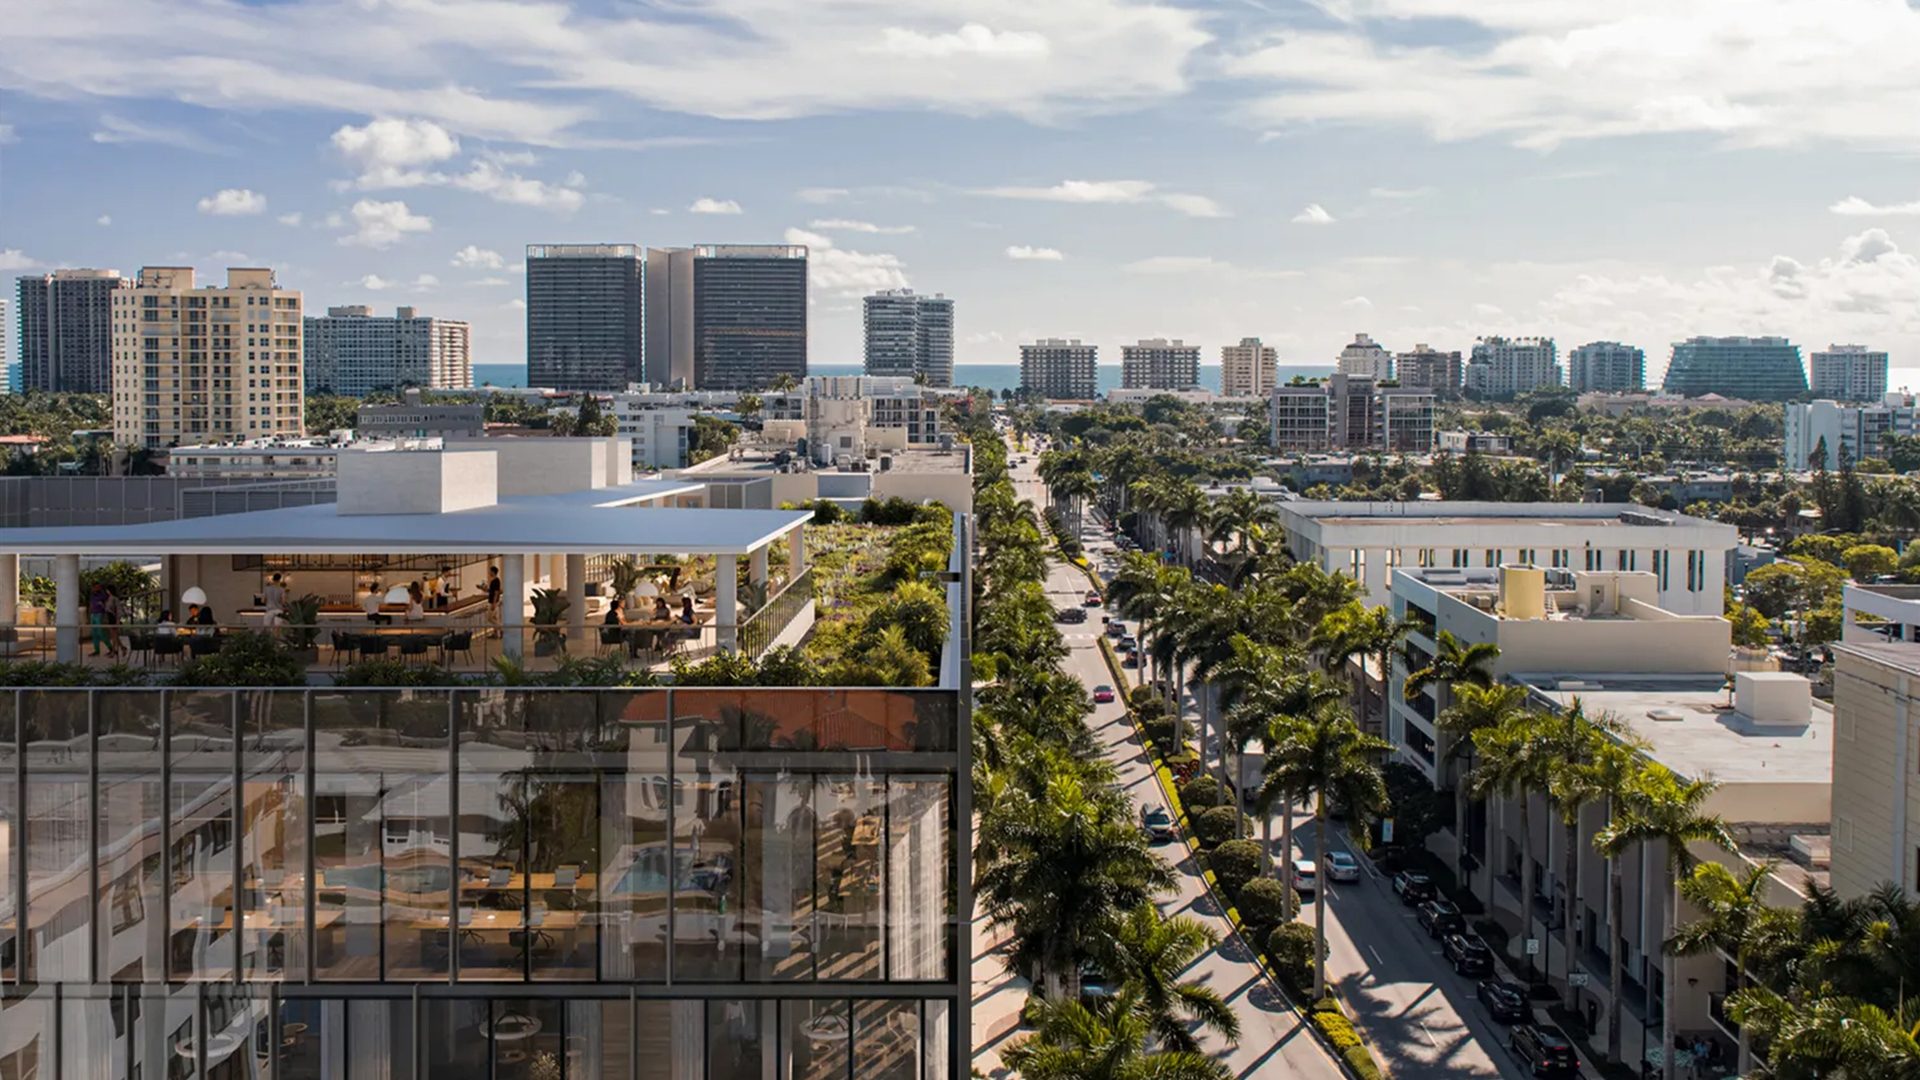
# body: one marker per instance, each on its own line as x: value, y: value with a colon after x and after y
x: 529, y: 550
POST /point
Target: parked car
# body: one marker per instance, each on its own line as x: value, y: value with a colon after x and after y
x: 1440, y: 918
x: 1413, y: 887
x: 1157, y: 823
x: 1342, y: 866
x: 1116, y: 629
x: 1093, y: 599
x: 1306, y: 876
x: 1070, y: 615
x: 1467, y: 953
x: 1543, y: 1050
x: 1103, y: 694
x: 1505, y: 1001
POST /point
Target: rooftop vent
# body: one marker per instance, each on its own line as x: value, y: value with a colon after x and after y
x: 1667, y: 716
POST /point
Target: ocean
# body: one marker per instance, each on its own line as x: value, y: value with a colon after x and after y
x: 995, y: 377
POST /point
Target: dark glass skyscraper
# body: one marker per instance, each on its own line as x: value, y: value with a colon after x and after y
x: 66, y: 330
x: 749, y: 315
x: 1754, y: 368
x: 583, y: 316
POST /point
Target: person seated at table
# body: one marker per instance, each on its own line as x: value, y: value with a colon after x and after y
x: 686, y: 610
x: 205, y: 618
x: 371, y: 605
x: 616, y: 613
x: 661, y: 611
x: 166, y: 627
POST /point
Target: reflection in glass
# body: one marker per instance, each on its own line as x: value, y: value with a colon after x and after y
x: 777, y: 882
x: 132, y: 940
x: 886, y: 1040
x: 273, y: 840
x: 707, y: 932
x: 9, y: 839
x: 817, y: 1037
x: 847, y: 914
x: 57, y: 842
x: 200, y: 809
x: 635, y: 799
x: 26, y: 1038
x: 919, y: 896
x: 739, y: 1039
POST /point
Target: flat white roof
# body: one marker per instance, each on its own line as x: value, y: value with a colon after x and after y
x: 591, y: 522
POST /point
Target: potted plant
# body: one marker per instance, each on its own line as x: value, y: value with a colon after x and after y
x: 549, y: 611
x: 303, y: 627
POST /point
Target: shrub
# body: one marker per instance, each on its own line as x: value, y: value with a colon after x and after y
x: 245, y: 659
x: 1199, y: 793
x: 1235, y: 863
x: 55, y: 673
x: 1290, y: 948
x: 1214, y: 825
x: 1165, y: 733
x: 1151, y: 709
x: 1140, y: 695
x: 1339, y: 1032
x: 389, y: 672
x: 1265, y: 903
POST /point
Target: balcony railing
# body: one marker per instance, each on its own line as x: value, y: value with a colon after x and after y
x: 765, y: 626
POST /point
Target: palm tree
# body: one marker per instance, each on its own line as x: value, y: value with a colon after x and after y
x: 1475, y: 709
x: 1059, y: 869
x: 1239, y: 516
x: 1356, y: 631
x: 1078, y: 486
x: 1104, y: 1040
x: 1265, y: 688
x: 1831, y: 1035
x: 1329, y: 758
x: 1148, y: 954
x: 1453, y: 665
x: 1735, y: 920
x: 1607, y: 777
x: 1573, y: 743
x: 1185, y: 511
x: 1515, y: 759
x: 1661, y: 808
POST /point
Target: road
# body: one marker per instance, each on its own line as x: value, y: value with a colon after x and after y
x: 1422, y: 1019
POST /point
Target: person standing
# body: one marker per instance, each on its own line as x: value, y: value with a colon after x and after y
x: 494, y: 591
x: 97, y: 616
x: 274, y: 600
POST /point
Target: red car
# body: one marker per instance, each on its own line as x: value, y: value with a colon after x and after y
x: 1093, y: 599
x: 1102, y: 694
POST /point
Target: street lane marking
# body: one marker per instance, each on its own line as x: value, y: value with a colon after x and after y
x: 1376, y: 954
x: 1431, y: 1041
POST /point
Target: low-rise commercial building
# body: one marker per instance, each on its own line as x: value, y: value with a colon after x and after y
x: 417, y: 416
x: 1477, y: 442
x: 1876, y: 767
x: 260, y: 459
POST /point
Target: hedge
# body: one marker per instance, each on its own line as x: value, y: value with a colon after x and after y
x: 1234, y: 863
x: 1265, y: 903
x: 1214, y: 825
x: 1339, y: 1031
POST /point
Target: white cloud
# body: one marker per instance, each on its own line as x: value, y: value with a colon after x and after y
x: 1313, y: 214
x: 292, y: 219
x: 848, y: 225
x: 117, y: 130
x: 1400, y: 193
x: 1841, y: 71
x: 659, y: 211
x: 474, y: 257
x: 1358, y: 303
x: 489, y: 179
x: 230, y: 257
x: 706, y: 205
x: 1023, y: 252
x: 488, y: 281
x: 382, y: 224
x: 15, y: 259
x: 821, y: 194
x: 971, y: 39
x: 517, y: 268
x: 1112, y: 192
x: 1855, y: 206
x: 515, y: 304
x: 392, y: 153
x: 234, y: 202
x: 425, y: 282
x: 1174, y: 264
x: 842, y: 272
x: 375, y: 283
x: 103, y: 219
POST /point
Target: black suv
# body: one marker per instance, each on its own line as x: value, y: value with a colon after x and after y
x: 1413, y: 887
x: 1468, y: 954
x: 1070, y: 615
x: 1440, y: 918
x: 1505, y: 1001
x: 1543, y: 1050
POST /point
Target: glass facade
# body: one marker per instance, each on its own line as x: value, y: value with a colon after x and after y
x: 541, y: 883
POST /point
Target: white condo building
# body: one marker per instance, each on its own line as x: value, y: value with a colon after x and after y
x: 1855, y: 431
x: 909, y: 335
x: 1247, y: 369
x: 1849, y: 373
x: 1365, y: 357
x: 1503, y: 367
x: 1607, y: 366
x: 352, y: 351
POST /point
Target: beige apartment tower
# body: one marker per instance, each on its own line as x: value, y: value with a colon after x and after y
x: 199, y: 365
x: 1246, y: 369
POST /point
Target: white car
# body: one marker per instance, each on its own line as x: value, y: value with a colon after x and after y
x: 1306, y: 876
x: 1342, y: 867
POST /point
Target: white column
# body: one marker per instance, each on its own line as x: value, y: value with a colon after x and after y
x: 726, y: 600
x: 513, y: 604
x: 9, y: 590
x: 1373, y: 572
x: 576, y: 571
x: 67, y: 615
x: 757, y: 566
x: 797, y: 551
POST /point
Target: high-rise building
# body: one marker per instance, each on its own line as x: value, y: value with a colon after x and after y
x: 669, y: 318
x: 1059, y: 368
x: 198, y: 365
x: 583, y: 316
x: 1502, y: 367
x: 1365, y: 357
x: 66, y: 330
x: 1247, y: 369
x: 1351, y: 412
x: 749, y: 315
x: 910, y: 335
x: 1754, y: 368
x: 1160, y: 364
x: 1847, y: 431
x: 352, y: 351
x: 1607, y: 367
x: 1849, y: 373
x: 1429, y: 369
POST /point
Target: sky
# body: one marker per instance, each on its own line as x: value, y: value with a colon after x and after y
x: 1420, y: 170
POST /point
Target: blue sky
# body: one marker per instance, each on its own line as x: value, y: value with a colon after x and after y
x: 1422, y: 170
